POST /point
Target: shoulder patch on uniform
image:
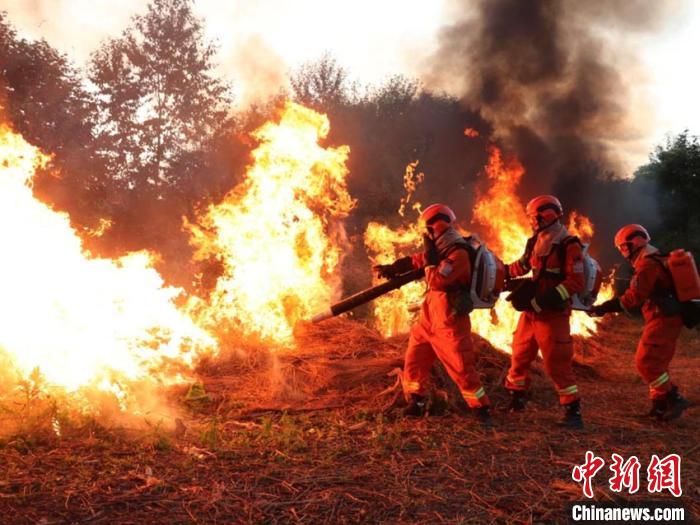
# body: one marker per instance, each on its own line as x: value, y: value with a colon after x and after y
x: 445, y: 268
x: 578, y: 266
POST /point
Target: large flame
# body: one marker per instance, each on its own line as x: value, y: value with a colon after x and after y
x: 393, y: 313
x: 504, y: 227
x: 279, y: 235
x: 506, y: 230
x: 80, y: 321
x: 499, y: 209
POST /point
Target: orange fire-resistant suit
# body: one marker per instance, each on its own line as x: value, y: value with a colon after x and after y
x: 548, y: 329
x: 443, y: 333
x: 658, y: 342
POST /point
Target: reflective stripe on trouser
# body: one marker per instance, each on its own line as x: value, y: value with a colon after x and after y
x: 455, y: 350
x: 412, y: 387
x: 474, y: 396
x: 573, y: 389
x: 655, y: 351
x: 551, y: 335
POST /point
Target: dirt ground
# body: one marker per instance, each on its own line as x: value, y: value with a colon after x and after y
x: 312, y: 437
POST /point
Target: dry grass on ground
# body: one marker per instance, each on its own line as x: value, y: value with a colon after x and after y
x: 312, y: 437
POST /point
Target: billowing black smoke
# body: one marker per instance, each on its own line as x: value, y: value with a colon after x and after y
x: 548, y: 78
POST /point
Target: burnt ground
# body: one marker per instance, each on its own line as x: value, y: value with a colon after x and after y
x: 313, y: 437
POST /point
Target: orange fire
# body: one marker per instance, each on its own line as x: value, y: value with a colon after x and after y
x: 279, y: 234
x: 581, y: 226
x: 88, y: 325
x: 79, y: 322
x: 411, y: 180
x: 393, y: 311
x: 505, y: 229
x: 499, y: 209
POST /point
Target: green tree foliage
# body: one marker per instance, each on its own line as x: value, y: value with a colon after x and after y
x: 42, y: 93
x: 161, y: 103
x: 675, y: 169
x: 164, y: 131
x: 43, y: 97
x: 322, y: 84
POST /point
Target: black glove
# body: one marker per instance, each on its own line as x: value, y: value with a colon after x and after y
x: 549, y: 300
x: 430, y: 251
x: 610, y: 306
x: 522, y: 295
x: 399, y: 266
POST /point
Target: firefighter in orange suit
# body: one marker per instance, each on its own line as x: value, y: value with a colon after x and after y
x: 556, y: 261
x: 651, y: 288
x: 444, y: 329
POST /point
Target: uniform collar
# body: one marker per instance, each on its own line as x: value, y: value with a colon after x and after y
x: 645, y: 252
x: 548, y: 237
x: 447, y: 240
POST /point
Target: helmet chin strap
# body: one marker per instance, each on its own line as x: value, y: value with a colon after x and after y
x: 431, y: 233
x: 542, y: 228
x: 634, y: 254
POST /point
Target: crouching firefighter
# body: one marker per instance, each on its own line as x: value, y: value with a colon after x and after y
x: 556, y: 261
x: 652, y: 289
x: 443, y: 330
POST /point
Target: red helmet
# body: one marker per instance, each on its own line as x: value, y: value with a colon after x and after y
x: 543, y: 211
x: 436, y: 218
x: 629, y: 239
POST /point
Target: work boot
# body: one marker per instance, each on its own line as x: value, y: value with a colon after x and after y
x: 676, y: 404
x: 517, y: 400
x: 659, y: 406
x: 483, y: 415
x: 416, y: 406
x: 572, y: 416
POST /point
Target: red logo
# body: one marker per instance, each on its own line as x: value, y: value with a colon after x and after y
x: 625, y: 474
x: 662, y: 474
x: 585, y: 473
x: 665, y: 474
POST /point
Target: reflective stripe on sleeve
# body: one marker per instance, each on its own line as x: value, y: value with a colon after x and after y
x: 563, y: 292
